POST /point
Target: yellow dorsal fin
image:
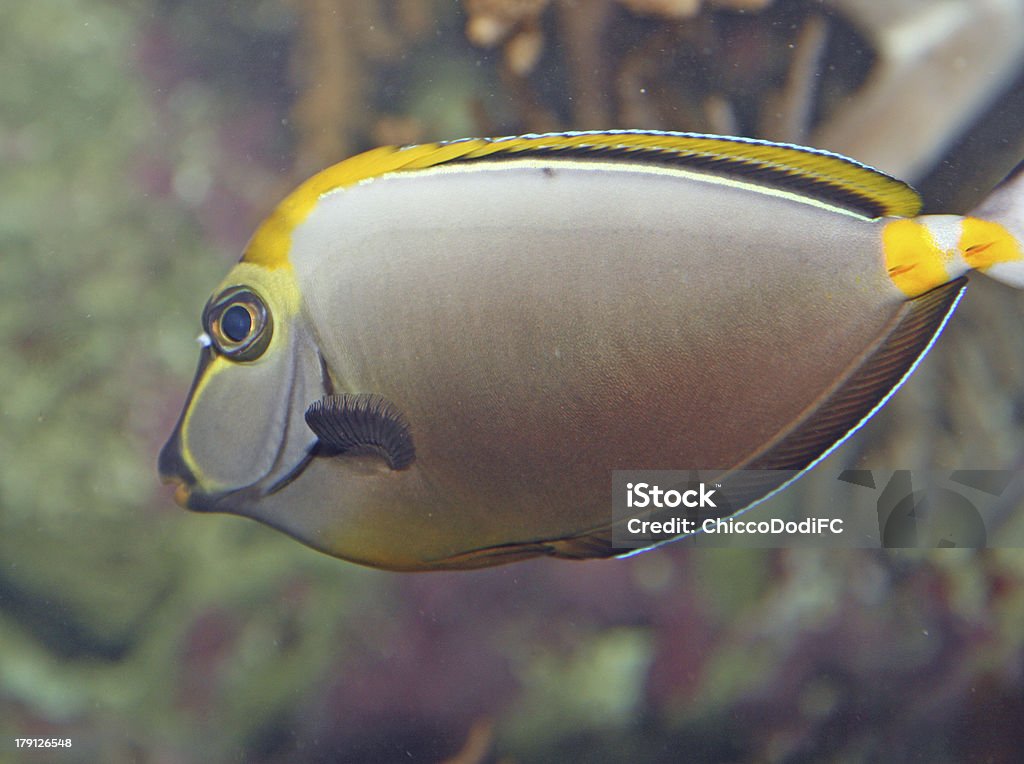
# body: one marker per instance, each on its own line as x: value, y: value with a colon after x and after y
x: 821, y: 175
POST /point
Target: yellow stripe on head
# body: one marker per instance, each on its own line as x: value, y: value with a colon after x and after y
x: 271, y: 244
x: 914, y: 259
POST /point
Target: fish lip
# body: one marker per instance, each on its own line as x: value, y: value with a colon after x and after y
x: 232, y: 501
x: 182, y: 490
x: 188, y: 494
x: 174, y: 471
x: 170, y: 465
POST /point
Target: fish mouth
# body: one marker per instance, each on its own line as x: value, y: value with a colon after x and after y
x: 187, y: 492
x: 182, y: 491
x: 174, y: 471
x: 190, y: 495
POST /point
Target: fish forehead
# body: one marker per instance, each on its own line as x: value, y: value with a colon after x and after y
x: 541, y: 328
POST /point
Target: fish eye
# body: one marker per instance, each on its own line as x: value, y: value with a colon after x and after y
x: 239, y: 324
x: 236, y: 323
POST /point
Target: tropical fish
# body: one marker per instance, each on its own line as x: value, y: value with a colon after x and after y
x: 432, y: 357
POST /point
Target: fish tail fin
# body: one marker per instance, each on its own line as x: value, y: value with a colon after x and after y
x: 992, y: 239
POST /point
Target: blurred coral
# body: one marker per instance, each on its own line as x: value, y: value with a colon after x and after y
x: 681, y: 9
x: 516, y: 23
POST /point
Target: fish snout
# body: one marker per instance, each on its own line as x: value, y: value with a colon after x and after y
x: 174, y: 471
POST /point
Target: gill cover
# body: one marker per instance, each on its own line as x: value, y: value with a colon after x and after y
x: 242, y: 427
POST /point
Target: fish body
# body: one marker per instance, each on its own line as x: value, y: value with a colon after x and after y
x: 465, y: 339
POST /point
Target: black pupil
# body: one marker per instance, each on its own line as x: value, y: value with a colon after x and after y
x: 236, y: 323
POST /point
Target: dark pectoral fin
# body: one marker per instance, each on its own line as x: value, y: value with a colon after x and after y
x: 362, y: 423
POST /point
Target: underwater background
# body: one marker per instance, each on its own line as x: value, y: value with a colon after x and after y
x: 141, y: 143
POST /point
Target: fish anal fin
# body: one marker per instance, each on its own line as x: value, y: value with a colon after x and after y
x: 876, y: 375
x: 869, y: 383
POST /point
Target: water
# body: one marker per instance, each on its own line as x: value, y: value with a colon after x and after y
x: 141, y: 144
